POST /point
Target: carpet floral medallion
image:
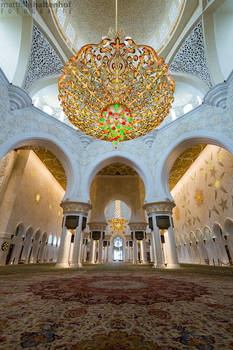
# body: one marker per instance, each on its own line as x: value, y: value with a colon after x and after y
x: 116, y: 311
x: 117, y: 290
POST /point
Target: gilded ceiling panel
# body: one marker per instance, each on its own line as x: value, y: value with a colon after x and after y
x: 117, y: 169
x: 182, y: 163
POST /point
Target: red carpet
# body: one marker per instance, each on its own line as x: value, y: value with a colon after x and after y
x: 116, y: 311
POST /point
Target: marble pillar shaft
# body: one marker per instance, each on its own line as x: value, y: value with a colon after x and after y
x: 76, y: 258
x: 157, y: 244
x: 63, y: 254
x: 171, y: 252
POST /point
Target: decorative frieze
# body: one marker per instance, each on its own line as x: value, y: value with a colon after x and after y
x: 73, y: 207
x: 163, y: 207
x: 97, y: 226
x: 137, y: 226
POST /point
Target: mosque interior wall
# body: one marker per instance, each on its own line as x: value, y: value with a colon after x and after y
x: 204, y: 204
x: 31, y: 199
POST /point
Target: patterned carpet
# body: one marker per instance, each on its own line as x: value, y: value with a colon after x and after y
x: 116, y: 311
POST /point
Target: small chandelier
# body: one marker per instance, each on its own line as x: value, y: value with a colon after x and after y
x: 118, y: 224
x: 116, y: 91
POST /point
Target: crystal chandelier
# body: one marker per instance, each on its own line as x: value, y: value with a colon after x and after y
x: 118, y: 224
x: 116, y: 91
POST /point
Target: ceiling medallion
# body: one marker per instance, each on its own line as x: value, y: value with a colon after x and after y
x: 116, y: 91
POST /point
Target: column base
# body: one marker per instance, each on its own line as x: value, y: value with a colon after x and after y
x: 62, y: 265
x: 159, y: 266
x: 73, y: 266
x: 173, y: 266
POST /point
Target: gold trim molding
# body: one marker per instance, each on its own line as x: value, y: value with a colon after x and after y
x: 134, y: 226
x: 97, y: 226
x: 75, y: 207
x: 162, y: 207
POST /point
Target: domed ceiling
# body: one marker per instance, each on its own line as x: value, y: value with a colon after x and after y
x: 149, y: 22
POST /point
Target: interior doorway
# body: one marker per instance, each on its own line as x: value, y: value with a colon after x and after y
x: 118, y: 249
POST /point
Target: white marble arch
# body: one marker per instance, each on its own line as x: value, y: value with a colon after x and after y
x: 210, y: 123
x: 228, y: 226
x: 191, y: 80
x: 82, y: 156
x: 42, y: 83
x: 178, y: 146
x: 52, y: 144
x: 110, y: 157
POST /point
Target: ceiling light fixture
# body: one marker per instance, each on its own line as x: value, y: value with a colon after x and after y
x: 116, y: 91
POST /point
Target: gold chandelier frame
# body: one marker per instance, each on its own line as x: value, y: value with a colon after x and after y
x: 116, y: 91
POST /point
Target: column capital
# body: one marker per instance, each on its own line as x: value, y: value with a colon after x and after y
x: 75, y: 207
x: 162, y: 207
x: 137, y: 226
x: 97, y: 226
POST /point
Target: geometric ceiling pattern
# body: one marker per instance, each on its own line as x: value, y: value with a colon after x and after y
x: 191, y: 57
x: 51, y: 162
x: 117, y: 169
x: 43, y: 61
x: 182, y: 164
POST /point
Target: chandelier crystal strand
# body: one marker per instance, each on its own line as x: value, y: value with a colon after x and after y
x: 116, y: 91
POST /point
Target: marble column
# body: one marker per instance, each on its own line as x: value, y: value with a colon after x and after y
x: 100, y: 247
x: 143, y: 250
x: 76, y: 258
x: 92, y: 251
x: 158, y: 245
x: 128, y: 251
x: 109, y: 252
x: 172, y: 256
x: 108, y: 247
x: 42, y: 250
x: 71, y: 208
x: 161, y: 209
x: 136, y: 226
x: 151, y: 249
x: 63, y: 253
x: 35, y: 248
x: 135, y: 249
x: 85, y: 250
x: 101, y: 227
